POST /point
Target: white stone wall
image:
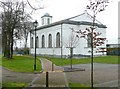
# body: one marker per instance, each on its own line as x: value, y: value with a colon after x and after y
x: 53, y: 31
x: 84, y: 17
x: 65, y: 32
x: 81, y: 48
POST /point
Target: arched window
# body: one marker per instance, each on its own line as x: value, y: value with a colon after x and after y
x: 50, y: 41
x: 31, y: 42
x: 37, y: 42
x: 58, y: 40
x: 43, y: 41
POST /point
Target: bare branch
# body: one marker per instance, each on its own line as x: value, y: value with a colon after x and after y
x: 34, y: 8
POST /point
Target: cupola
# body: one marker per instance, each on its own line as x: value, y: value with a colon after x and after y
x: 46, y: 19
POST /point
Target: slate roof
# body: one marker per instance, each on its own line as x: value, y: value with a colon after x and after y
x: 71, y: 22
x: 68, y: 21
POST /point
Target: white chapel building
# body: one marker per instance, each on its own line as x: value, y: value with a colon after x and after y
x: 55, y: 38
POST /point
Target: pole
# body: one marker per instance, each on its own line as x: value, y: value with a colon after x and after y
x: 92, y: 52
x: 92, y: 60
x: 35, y: 51
x: 47, y: 79
x: 61, y: 42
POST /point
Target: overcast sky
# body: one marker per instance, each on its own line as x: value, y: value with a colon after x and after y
x: 62, y: 9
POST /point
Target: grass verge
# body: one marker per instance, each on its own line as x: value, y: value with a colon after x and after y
x: 0, y: 60
x: 21, y: 64
x: 13, y: 85
x: 102, y: 59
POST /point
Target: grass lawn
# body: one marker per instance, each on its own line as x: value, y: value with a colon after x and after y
x: 102, y: 59
x: 10, y: 85
x: 21, y: 64
x: 0, y: 60
x: 107, y: 59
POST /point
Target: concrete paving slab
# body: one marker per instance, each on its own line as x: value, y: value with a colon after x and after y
x: 56, y: 77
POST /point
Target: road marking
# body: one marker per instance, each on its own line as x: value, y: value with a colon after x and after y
x: 105, y: 83
x: 34, y: 79
x: 53, y: 71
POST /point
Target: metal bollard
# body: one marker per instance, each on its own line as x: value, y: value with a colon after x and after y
x: 47, y: 79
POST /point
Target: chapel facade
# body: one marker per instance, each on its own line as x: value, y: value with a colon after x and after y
x: 56, y: 38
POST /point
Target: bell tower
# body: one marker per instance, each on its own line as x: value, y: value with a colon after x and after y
x: 46, y: 19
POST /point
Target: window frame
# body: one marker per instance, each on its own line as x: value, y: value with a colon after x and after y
x: 58, y: 40
x: 43, y: 41
x: 50, y: 41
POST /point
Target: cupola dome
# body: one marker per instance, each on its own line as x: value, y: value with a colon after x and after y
x: 46, y: 19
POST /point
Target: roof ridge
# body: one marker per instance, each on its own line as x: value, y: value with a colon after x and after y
x: 95, y: 19
x: 74, y: 16
x: 83, y: 14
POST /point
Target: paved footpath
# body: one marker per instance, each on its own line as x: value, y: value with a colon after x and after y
x: 105, y: 75
x: 56, y: 76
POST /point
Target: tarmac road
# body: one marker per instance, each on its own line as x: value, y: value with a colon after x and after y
x: 105, y: 75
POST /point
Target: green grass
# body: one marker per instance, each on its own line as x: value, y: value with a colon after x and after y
x: 0, y: 60
x: 21, y: 64
x: 63, y: 61
x: 103, y: 59
x: 79, y: 86
x: 107, y: 59
x: 10, y: 85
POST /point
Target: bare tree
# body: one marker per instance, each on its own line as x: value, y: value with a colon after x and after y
x: 96, y: 6
x: 11, y: 20
x: 73, y: 40
x: 26, y: 27
x: 37, y: 6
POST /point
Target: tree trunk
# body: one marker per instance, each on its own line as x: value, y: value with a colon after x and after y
x: 71, y: 55
x: 11, y: 48
x: 4, y: 42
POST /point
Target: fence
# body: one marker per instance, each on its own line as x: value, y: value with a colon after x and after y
x: 113, y: 51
